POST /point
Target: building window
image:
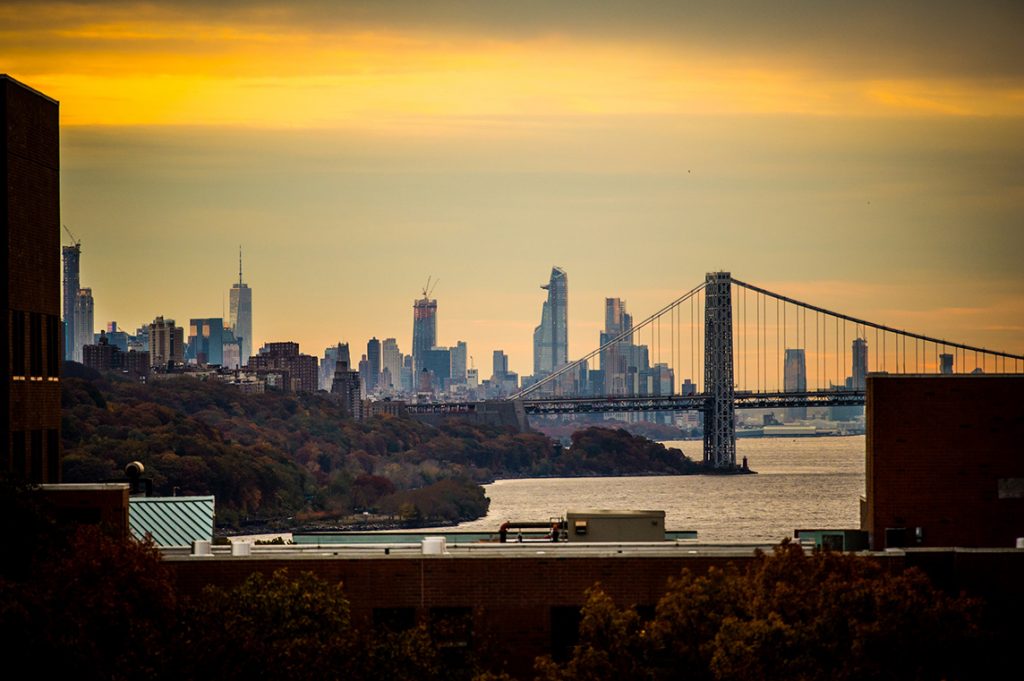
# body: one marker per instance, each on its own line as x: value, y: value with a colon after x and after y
x: 17, y: 343
x: 36, y: 473
x: 451, y: 628
x: 394, y: 619
x: 565, y: 631
x: 52, y: 455
x: 35, y: 330
x: 53, y: 346
x: 18, y: 454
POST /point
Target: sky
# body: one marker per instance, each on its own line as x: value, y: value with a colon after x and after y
x: 866, y: 157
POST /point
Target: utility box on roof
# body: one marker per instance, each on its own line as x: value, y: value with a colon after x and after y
x: 615, y: 526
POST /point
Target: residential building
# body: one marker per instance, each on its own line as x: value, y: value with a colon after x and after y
x: 72, y: 256
x: 372, y: 378
x: 84, y: 323
x: 166, y: 343
x: 795, y: 380
x: 284, y: 357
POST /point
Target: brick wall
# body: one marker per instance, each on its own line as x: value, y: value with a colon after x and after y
x: 938, y: 447
x: 31, y: 340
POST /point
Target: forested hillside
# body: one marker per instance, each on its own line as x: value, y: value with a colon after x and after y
x: 281, y: 456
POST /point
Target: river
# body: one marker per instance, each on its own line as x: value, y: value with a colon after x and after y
x: 801, y: 483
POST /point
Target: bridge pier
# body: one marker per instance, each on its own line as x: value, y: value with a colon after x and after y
x: 719, y: 407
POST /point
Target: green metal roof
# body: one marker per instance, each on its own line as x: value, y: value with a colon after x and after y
x: 171, y: 521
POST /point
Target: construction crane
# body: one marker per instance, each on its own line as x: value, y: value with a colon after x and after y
x: 428, y: 289
x: 76, y: 241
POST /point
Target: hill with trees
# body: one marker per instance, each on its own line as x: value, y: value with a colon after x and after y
x: 297, y: 458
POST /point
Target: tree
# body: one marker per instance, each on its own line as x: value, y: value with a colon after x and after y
x: 790, y: 615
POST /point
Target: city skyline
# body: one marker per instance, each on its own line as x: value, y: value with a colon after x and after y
x: 862, y: 158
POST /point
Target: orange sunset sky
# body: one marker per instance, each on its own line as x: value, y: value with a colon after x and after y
x: 866, y: 157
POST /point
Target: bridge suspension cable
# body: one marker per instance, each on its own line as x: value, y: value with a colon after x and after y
x: 878, y: 327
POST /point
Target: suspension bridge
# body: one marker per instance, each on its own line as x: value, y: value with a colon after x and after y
x: 785, y: 353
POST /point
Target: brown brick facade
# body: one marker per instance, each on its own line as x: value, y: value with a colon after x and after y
x: 30, y: 218
x: 946, y: 455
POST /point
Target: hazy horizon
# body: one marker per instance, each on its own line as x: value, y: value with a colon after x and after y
x: 866, y: 159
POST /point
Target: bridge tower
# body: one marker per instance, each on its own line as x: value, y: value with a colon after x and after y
x: 719, y: 409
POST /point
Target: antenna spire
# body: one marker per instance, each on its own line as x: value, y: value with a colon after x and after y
x: 239, y: 266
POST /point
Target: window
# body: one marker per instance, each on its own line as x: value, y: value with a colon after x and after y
x: 17, y: 343
x: 35, y: 330
x: 565, y: 631
x: 394, y: 619
x: 53, y: 349
x: 52, y: 456
x: 36, y: 439
x: 451, y: 627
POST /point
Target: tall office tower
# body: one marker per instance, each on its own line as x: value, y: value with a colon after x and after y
x: 241, y: 313
x: 372, y: 365
x: 424, y: 329
x: 84, y: 307
x: 408, y: 377
x: 166, y: 343
x: 472, y: 378
x: 206, y: 341
x: 459, y: 354
x: 72, y: 258
x: 31, y: 345
x: 550, y: 338
x: 795, y: 379
x: 946, y: 363
x: 859, y: 369
x: 391, y: 361
x: 617, y: 358
x: 500, y: 366
x: 438, y: 362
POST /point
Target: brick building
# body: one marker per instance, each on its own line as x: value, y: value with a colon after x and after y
x: 303, y: 370
x: 945, y: 462
x: 31, y: 335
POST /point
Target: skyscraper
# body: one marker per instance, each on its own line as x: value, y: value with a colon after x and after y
x: 391, y: 363
x: 84, y: 307
x: 796, y: 379
x: 424, y: 329
x: 500, y: 366
x: 550, y: 338
x: 372, y: 365
x: 459, y: 355
x: 859, y: 369
x: 72, y: 257
x: 617, y: 358
x: 241, y: 313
